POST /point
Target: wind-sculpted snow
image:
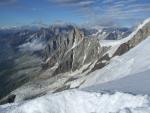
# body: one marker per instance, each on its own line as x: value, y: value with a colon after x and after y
x: 75, y: 101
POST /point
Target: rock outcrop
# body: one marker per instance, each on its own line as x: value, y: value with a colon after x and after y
x: 72, y: 51
x: 137, y: 37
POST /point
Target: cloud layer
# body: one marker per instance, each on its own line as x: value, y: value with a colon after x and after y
x: 108, y: 12
x: 96, y: 12
x: 80, y: 3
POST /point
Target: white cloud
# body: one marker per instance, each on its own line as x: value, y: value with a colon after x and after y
x: 108, y: 11
x: 114, y: 11
x: 107, y: 1
x: 34, y: 45
x: 79, y: 3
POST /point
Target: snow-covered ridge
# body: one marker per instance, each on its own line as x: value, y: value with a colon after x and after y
x: 134, y: 33
x: 118, y: 42
x: 75, y: 101
x: 134, y: 61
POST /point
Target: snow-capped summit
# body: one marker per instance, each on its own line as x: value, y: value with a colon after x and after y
x: 112, y: 33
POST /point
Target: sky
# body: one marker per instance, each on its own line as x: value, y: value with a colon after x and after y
x: 79, y: 12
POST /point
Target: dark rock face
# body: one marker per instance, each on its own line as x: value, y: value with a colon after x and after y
x: 57, y: 48
x: 73, y: 51
x: 100, y: 64
x: 122, y: 49
x: 86, y: 52
x: 8, y: 99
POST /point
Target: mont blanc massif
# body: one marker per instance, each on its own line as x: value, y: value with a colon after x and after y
x: 66, y: 68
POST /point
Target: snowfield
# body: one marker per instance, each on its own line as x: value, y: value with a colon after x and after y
x: 135, y: 84
x: 75, y: 101
x: 135, y: 61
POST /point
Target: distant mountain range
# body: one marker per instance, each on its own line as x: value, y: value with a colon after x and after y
x: 36, y: 61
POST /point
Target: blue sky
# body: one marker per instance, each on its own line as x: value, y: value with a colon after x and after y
x: 80, y: 12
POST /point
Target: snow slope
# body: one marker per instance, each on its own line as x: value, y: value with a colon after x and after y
x: 134, y: 61
x: 75, y: 101
x: 136, y: 84
x: 115, y: 44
